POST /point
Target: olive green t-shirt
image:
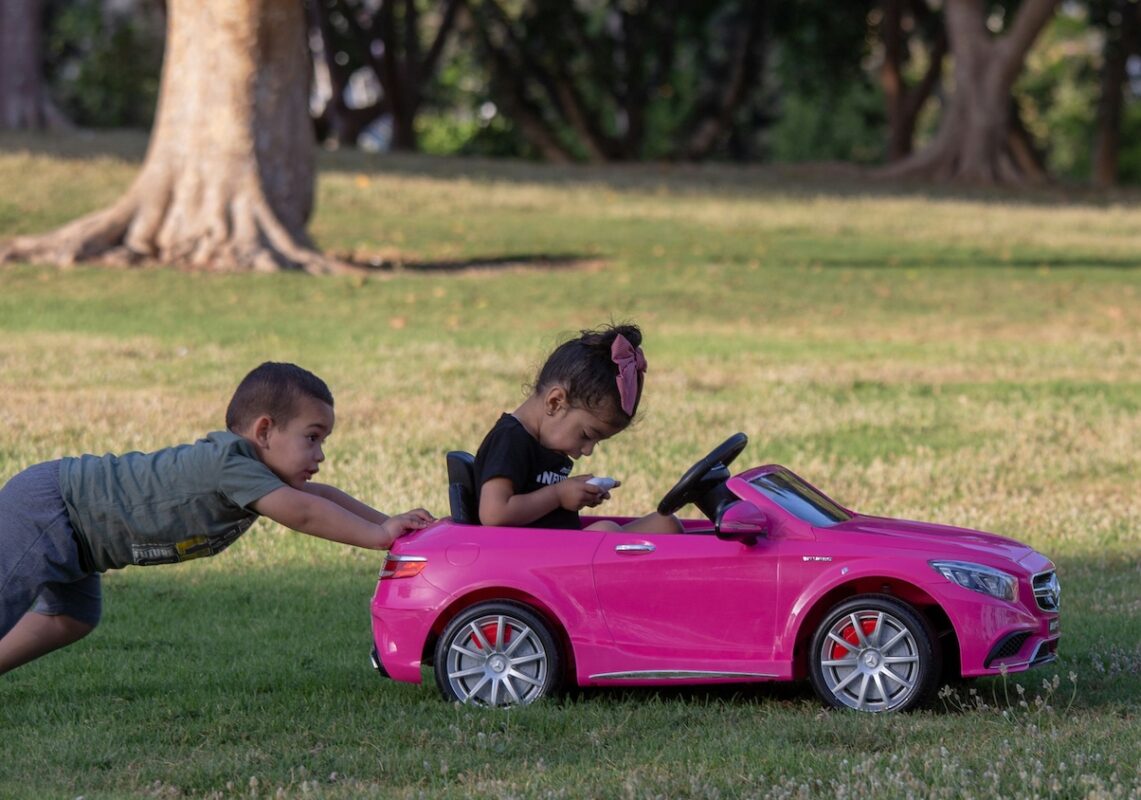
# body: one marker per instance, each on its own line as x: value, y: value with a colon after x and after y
x: 171, y: 505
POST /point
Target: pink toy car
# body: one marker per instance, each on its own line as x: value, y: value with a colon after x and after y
x: 778, y: 583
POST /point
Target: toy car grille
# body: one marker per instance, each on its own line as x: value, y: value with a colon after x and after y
x: 1047, y: 591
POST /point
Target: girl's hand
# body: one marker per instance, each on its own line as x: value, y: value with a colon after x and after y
x: 575, y: 493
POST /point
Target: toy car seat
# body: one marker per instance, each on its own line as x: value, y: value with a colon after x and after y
x: 461, y: 487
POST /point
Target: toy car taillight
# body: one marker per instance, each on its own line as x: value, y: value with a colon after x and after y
x: 402, y: 566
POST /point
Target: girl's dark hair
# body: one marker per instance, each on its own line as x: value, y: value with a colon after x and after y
x: 585, y: 368
x: 273, y: 389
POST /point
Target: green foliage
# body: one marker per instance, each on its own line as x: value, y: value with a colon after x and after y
x: 817, y: 98
x: 822, y: 43
x: 103, y: 71
x: 460, y: 118
x: 1129, y: 166
x: 497, y: 137
x: 1057, y: 93
x: 844, y: 123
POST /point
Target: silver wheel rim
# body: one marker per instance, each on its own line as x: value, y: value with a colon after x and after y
x: 870, y: 661
x: 497, y: 660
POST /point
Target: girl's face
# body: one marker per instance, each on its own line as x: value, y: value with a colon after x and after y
x: 572, y: 430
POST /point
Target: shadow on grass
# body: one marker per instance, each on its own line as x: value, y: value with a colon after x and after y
x: 289, y: 630
x: 549, y: 261
x: 981, y: 260
x: 794, y: 180
x: 744, y: 180
x: 569, y: 261
x: 789, y: 694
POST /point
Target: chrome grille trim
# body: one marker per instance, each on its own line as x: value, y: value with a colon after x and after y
x: 1047, y: 591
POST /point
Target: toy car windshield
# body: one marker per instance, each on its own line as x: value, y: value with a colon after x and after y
x: 799, y: 499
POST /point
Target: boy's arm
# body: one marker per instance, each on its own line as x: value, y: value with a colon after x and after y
x: 346, y: 501
x: 318, y: 516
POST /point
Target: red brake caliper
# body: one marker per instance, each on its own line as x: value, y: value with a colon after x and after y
x: 489, y: 633
x: 849, y: 635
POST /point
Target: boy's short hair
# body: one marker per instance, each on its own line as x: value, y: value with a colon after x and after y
x: 273, y: 389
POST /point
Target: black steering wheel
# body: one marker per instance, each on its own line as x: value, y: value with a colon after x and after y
x: 706, y: 474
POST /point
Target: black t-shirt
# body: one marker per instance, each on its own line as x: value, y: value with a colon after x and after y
x: 509, y: 451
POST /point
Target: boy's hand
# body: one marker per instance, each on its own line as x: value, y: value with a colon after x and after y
x: 575, y: 493
x: 399, y: 524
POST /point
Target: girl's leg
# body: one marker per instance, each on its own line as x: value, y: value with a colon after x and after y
x: 37, y: 634
x: 655, y: 523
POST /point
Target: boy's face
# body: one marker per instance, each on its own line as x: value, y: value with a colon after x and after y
x: 294, y: 450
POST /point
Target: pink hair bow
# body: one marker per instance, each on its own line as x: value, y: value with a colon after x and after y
x: 631, y: 363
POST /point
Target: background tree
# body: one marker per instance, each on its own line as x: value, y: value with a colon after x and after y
x: 228, y: 179
x: 1121, y: 22
x: 823, y: 101
x: 730, y: 74
x: 103, y: 59
x: 613, y: 80
x: 900, y: 23
x: 24, y: 103
x: 401, y: 42
x: 979, y: 139
x: 862, y: 81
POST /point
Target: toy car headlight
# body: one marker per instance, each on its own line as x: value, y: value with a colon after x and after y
x: 978, y: 578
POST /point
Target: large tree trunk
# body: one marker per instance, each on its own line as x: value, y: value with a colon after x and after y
x: 977, y: 141
x: 228, y: 179
x: 23, y: 102
x: 1120, y: 43
x: 904, y: 102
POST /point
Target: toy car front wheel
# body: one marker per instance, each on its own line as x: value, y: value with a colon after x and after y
x: 497, y: 654
x: 874, y: 653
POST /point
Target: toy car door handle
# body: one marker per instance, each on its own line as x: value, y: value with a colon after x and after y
x: 635, y: 548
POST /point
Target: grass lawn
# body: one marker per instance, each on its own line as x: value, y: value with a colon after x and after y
x: 967, y: 358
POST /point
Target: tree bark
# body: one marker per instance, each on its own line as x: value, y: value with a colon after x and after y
x: 904, y: 102
x: 24, y: 105
x: 512, y: 70
x: 393, y: 49
x: 1119, y: 45
x: 743, y: 73
x: 975, y: 143
x: 228, y: 179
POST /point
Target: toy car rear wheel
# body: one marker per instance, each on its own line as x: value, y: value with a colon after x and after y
x: 497, y: 654
x: 874, y: 653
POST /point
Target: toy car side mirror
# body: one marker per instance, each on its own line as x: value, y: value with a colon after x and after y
x: 741, y: 522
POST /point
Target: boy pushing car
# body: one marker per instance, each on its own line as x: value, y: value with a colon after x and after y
x: 64, y: 522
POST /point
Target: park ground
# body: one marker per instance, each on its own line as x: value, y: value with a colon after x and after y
x: 963, y: 357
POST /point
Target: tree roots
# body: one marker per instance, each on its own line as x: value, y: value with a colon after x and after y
x: 202, y: 229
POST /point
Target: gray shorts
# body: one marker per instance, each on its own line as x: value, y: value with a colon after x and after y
x: 39, y: 558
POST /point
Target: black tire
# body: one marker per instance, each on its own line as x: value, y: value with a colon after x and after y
x: 498, y: 654
x: 874, y: 653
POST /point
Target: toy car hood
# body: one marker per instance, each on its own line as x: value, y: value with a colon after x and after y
x: 927, y: 533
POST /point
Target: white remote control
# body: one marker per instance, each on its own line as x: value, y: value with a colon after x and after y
x: 606, y: 484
